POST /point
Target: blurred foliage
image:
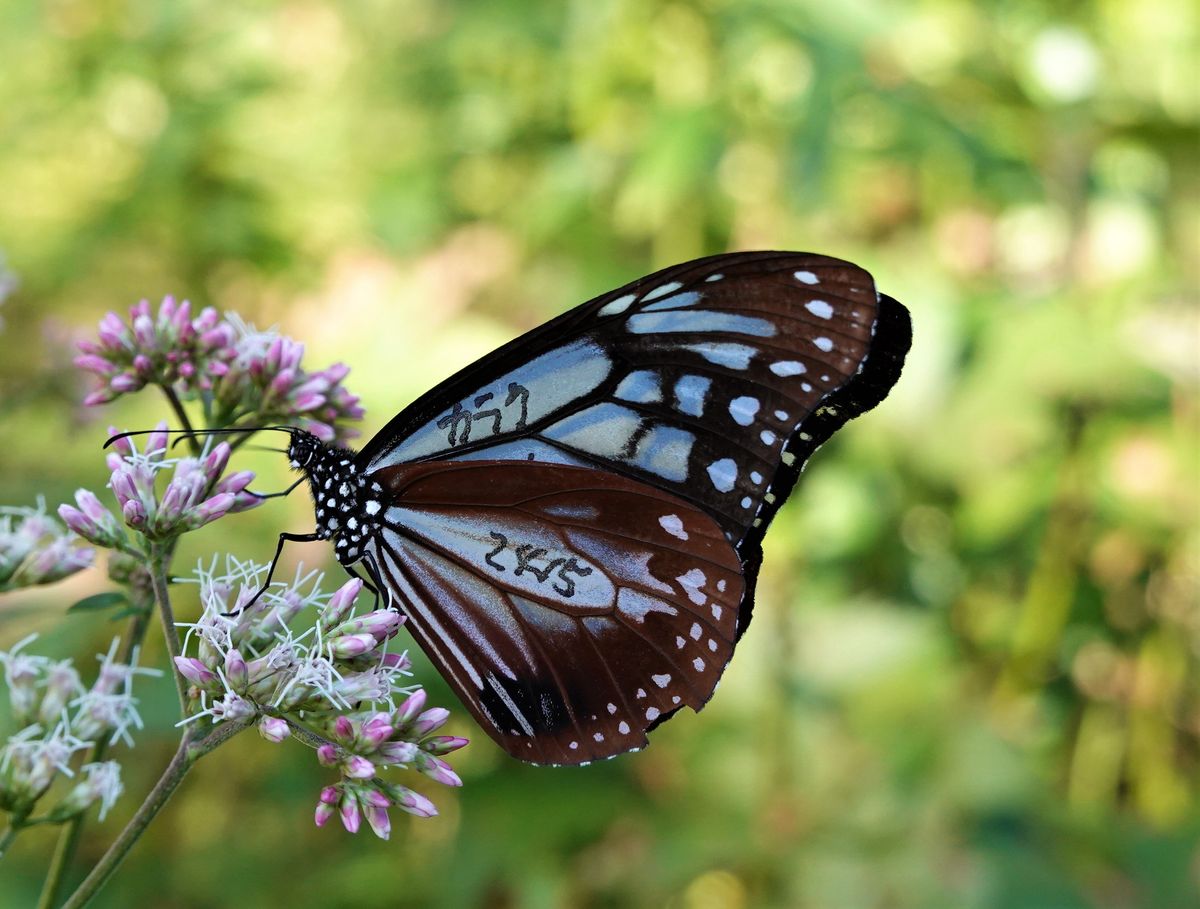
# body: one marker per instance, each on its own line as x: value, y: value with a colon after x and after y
x: 973, y: 677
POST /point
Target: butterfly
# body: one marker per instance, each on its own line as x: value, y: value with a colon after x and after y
x: 572, y: 524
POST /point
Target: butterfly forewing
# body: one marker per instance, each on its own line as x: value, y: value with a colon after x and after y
x: 713, y: 380
x: 571, y: 609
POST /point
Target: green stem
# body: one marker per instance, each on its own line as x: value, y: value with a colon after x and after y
x: 68, y: 839
x: 158, y: 575
x: 187, y: 754
x: 15, y: 823
x: 181, y: 415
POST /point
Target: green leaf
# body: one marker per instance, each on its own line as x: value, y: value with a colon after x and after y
x: 127, y: 612
x: 100, y: 601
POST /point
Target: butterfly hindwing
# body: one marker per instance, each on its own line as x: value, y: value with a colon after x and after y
x: 712, y: 380
x: 571, y: 609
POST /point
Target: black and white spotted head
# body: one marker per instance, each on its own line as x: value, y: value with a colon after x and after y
x: 345, y: 501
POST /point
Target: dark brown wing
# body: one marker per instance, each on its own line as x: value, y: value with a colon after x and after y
x: 571, y: 609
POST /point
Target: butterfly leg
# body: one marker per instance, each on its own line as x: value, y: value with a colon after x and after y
x: 276, y: 495
x: 283, y: 538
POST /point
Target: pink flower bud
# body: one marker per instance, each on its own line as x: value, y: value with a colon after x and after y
x: 308, y: 402
x: 444, y: 744
x: 381, y: 624
x: 343, y: 727
x: 326, y: 805
x: 437, y: 769
x: 195, y: 671
x: 357, y: 767
x: 143, y: 330
x: 348, y: 809
x: 376, y: 729
x: 343, y: 598
x: 327, y: 755
x: 431, y: 719
x: 399, y: 752
x: 210, y: 510
x: 79, y: 523
x: 124, y: 485
x: 215, y: 463
x: 236, y: 671
x: 157, y: 440
x: 123, y: 383
x: 413, y: 802
x: 93, y: 363
x: 135, y: 514
x: 236, y: 482
x: 412, y: 706
x: 274, y: 729
x: 351, y: 645
x: 380, y: 823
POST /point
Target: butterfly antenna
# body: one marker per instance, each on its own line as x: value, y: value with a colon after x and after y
x: 199, y: 432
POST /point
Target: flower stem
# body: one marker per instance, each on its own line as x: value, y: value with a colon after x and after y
x: 160, y: 558
x: 181, y: 415
x: 10, y: 834
x: 68, y: 839
x: 188, y: 753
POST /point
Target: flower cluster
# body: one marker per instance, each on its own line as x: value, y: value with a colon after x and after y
x: 334, y: 682
x: 248, y: 375
x: 363, y: 742
x: 170, y: 348
x: 35, y: 549
x: 266, y: 379
x: 57, y: 717
x: 197, y: 493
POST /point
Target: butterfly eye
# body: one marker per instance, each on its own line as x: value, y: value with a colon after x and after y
x: 572, y: 525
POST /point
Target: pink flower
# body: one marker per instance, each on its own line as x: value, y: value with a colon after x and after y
x: 165, y: 348
x: 36, y: 549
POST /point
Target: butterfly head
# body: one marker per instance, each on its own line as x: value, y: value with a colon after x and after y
x: 303, y: 450
x: 345, y: 501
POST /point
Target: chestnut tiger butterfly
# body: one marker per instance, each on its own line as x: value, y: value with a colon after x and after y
x: 572, y: 524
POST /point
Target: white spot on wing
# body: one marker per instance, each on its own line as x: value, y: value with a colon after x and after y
x: 619, y: 305
x: 640, y: 387
x: 676, y: 302
x: 723, y: 474
x: 703, y: 320
x: 662, y: 290
x: 743, y: 410
x: 820, y: 309
x: 806, y: 277
x: 787, y: 368
x: 733, y: 356
x: 690, y: 392
x: 652, y: 713
x: 691, y: 584
x: 824, y: 344
x: 662, y: 681
x: 673, y: 525
x: 637, y: 605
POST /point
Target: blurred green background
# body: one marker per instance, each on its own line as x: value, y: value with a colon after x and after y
x: 972, y: 680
